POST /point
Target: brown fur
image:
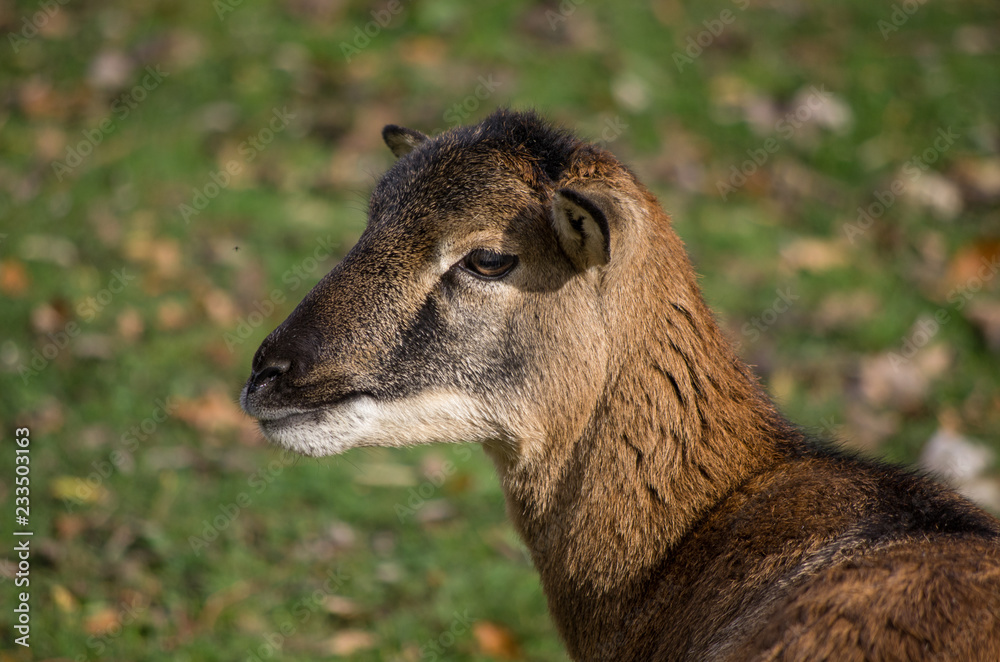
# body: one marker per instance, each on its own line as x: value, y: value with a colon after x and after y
x: 671, y: 511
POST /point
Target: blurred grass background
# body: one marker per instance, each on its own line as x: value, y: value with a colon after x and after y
x: 175, y: 176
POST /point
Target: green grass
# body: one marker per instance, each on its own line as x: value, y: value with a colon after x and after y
x: 184, y: 330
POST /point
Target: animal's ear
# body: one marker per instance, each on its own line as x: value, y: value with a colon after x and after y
x: 581, y: 223
x: 401, y: 140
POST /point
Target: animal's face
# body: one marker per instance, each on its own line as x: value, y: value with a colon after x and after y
x: 469, y: 310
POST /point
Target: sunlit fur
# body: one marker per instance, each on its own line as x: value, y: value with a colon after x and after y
x: 671, y: 511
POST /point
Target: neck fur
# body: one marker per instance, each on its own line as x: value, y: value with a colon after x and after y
x: 680, y: 423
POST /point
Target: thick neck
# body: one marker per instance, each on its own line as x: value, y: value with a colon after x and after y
x: 681, y: 422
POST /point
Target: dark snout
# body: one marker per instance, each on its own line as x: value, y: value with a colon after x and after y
x: 281, y: 368
x: 332, y: 346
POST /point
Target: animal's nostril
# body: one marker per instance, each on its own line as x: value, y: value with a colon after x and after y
x: 268, y: 374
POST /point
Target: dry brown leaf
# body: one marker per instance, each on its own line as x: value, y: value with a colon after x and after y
x: 50, y: 143
x: 110, y: 70
x: 970, y: 263
x: 130, y: 324
x: 48, y: 318
x: 63, y: 599
x: 219, y: 308
x: 427, y: 52
x: 847, y: 310
x: 70, y: 488
x: 218, y: 601
x: 164, y: 254
x: 866, y: 429
x: 888, y: 382
x: 986, y: 316
x: 496, y: 640
x: 343, y: 607
x: 813, y: 254
x: 94, y: 346
x: 14, y: 279
x: 49, y: 417
x: 348, y: 642
x: 936, y: 193
x: 980, y: 178
x: 386, y: 474
x: 172, y: 315
x: 435, y: 511
x: 69, y: 526
x: 38, y: 99
x: 101, y: 622
x: 213, y: 411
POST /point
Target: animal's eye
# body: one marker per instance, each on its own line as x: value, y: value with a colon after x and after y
x: 488, y: 264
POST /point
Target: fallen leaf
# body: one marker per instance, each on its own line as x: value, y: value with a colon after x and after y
x: 985, y: 315
x: 813, y: 254
x: 70, y: 488
x: 496, y: 640
x: 94, y: 346
x: 846, y: 310
x: 13, y: 278
x: 110, y: 70
x: 130, y: 324
x: 38, y: 99
x: 892, y: 381
x: 338, y: 605
x: 49, y: 248
x: 172, y: 315
x: 349, y: 642
x: 936, y: 193
x: 867, y: 429
x: 963, y: 463
x: 69, y: 526
x: 219, y: 308
x: 385, y: 474
x: 826, y: 109
x: 63, y: 599
x: 955, y: 458
x: 218, y: 601
x: 212, y: 411
x: 979, y: 179
x: 972, y: 266
x: 435, y: 512
x: 102, y: 621
x: 48, y: 318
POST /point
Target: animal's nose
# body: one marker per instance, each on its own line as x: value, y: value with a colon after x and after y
x: 267, y: 374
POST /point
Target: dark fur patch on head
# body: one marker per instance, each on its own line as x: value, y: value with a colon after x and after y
x: 521, y: 141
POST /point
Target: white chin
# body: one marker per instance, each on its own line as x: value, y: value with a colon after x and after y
x: 363, y: 421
